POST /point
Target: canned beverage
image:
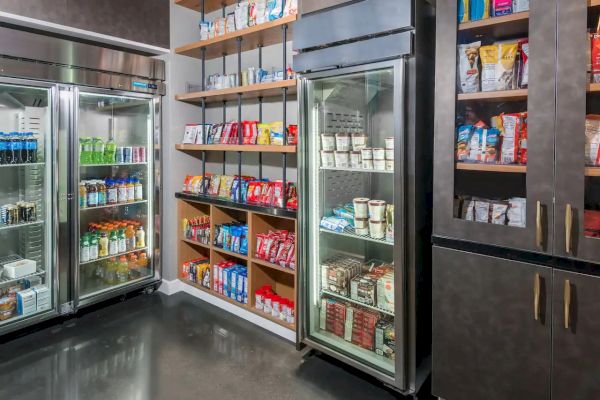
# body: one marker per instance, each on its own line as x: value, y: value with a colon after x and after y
x: 142, y: 154
x: 135, y: 155
x: 12, y: 214
x: 127, y: 155
x: 120, y: 155
x: 3, y: 214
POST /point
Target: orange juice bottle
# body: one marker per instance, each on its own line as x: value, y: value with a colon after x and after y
x: 130, y: 238
x: 142, y: 261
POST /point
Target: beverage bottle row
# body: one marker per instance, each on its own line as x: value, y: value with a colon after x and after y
x: 111, y: 238
x: 96, y: 151
x: 117, y: 270
x: 109, y: 191
x: 18, y: 148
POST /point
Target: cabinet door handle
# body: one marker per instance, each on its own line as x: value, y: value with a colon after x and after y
x: 536, y: 297
x: 538, y: 225
x: 568, y: 227
x: 567, y: 301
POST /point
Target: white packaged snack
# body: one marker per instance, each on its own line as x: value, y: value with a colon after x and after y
x: 520, y: 5
x: 241, y: 15
x: 517, y: 212
x: 482, y: 211
x: 468, y: 67
x: 261, y: 12
x: 592, y: 140
x: 468, y: 210
x: 204, y: 30
x: 189, y: 137
x: 291, y: 7
x: 499, y: 213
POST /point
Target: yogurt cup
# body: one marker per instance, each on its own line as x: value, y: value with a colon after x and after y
x: 377, y: 229
x: 355, y: 159
x: 389, y: 165
x: 327, y: 142
x: 378, y: 153
x: 342, y: 142
x: 379, y: 165
x: 361, y: 223
x: 367, y: 153
x: 362, y: 231
x: 342, y: 159
x: 359, y: 141
x: 327, y: 159
x: 376, y: 210
x: 367, y: 164
x: 389, y: 154
x: 389, y: 142
x: 361, y: 208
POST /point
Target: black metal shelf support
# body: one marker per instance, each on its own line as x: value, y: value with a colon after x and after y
x: 284, y: 116
x: 260, y: 114
x: 239, y: 127
x: 204, y: 133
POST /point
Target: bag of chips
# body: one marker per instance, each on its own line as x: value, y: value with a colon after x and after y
x: 468, y: 67
x: 592, y: 140
x: 490, y: 146
x: 498, y: 66
x: 502, y: 7
x: 462, y: 142
x: 264, y: 134
x: 250, y: 132
x: 479, y: 9
x: 463, y: 11
x: 276, y: 133
x: 241, y: 15
x: 275, y: 9
x: 523, y: 63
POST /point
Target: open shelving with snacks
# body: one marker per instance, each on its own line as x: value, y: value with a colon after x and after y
x: 258, y: 90
x: 201, y: 253
x: 236, y: 147
x: 209, y: 5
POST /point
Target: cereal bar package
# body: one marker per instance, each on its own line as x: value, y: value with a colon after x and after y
x: 480, y: 9
x: 468, y: 67
x: 502, y: 7
x: 463, y: 11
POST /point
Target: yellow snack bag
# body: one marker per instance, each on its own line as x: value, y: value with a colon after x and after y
x: 463, y: 11
x: 264, y: 134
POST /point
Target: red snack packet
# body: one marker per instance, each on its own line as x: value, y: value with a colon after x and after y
x: 250, y: 132
x: 254, y: 192
x: 595, y: 40
x: 277, y: 189
x: 234, y: 133
x: 292, y: 134
x: 266, y: 196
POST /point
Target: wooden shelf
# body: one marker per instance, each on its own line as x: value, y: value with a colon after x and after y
x: 235, y: 147
x: 515, y: 169
x: 592, y: 171
x: 270, y: 89
x: 271, y: 211
x: 501, y: 95
x: 209, y: 5
x: 265, y: 34
x: 593, y: 3
x: 273, y: 266
x: 271, y: 318
x: 193, y: 242
x: 230, y: 253
x: 593, y: 87
x: 506, y: 19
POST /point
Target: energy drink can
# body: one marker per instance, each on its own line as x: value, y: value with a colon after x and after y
x: 3, y: 214
x: 135, y: 155
x: 142, y: 154
x: 127, y: 155
x: 120, y: 155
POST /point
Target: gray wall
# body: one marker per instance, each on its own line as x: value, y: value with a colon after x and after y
x: 144, y: 21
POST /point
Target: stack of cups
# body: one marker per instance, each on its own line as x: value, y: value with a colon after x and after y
x: 342, y: 154
x: 376, y: 219
x: 359, y: 142
x: 379, y: 159
x: 389, y: 154
x: 367, y: 158
x: 361, y: 216
x: 327, y: 150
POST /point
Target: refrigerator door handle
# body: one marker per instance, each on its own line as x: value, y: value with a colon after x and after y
x: 567, y: 303
x: 536, y: 296
x: 538, y: 226
x: 568, y: 227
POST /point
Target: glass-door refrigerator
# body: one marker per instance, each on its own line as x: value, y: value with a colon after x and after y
x: 28, y: 288
x: 115, y: 185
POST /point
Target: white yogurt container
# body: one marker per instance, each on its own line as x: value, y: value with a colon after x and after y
x: 389, y: 154
x: 359, y: 141
x: 361, y: 223
x: 389, y: 165
x: 327, y: 159
x: 377, y: 229
x: 362, y: 231
x: 367, y: 164
x: 342, y: 159
x: 342, y: 142
x: 327, y: 142
x: 378, y: 153
x: 355, y: 159
x: 361, y: 207
x: 379, y: 165
x: 367, y: 153
x: 389, y: 142
x: 376, y: 210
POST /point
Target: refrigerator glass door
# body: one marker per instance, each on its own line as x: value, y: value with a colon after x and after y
x: 26, y: 202
x: 350, y: 135
x: 114, y: 134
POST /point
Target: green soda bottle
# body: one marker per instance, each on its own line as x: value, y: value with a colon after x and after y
x: 110, y: 152
x: 85, y: 151
x: 98, y: 151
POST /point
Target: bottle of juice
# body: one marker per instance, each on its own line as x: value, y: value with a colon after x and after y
x: 110, y: 276
x: 103, y: 245
x: 101, y: 268
x: 121, y: 192
x: 101, y: 187
x: 92, y: 194
x: 98, y: 151
x: 110, y: 152
x: 139, y: 190
x: 134, y: 272
x: 142, y: 261
x: 85, y: 151
x: 122, y: 241
x: 130, y: 191
x: 130, y: 238
x: 113, y: 243
x: 111, y: 192
x: 94, y: 250
x: 82, y: 195
x: 84, y: 250
x: 122, y: 270
x: 140, y: 238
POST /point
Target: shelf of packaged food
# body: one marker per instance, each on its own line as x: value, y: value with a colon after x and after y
x: 515, y: 169
x: 344, y: 298
x: 230, y: 253
x: 373, y: 171
x: 273, y: 266
x: 593, y: 3
x: 500, y: 95
x: 266, y: 34
x: 592, y: 171
x: 133, y: 203
x: 22, y: 165
x: 113, y: 256
x: 268, y: 89
x: 593, y: 87
x: 111, y: 165
x: 209, y: 5
x: 206, y: 246
x: 349, y: 232
x: 21, y: 225
x: 273, y: 211
x: 6, y: 280
x: 488, y: 22
x: 236, y: 147
x: 197, y: 285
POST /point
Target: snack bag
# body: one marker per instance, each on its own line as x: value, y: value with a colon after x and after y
x: 592, y: 140
x: 252, y: 13
x: 489, y: 61
x: 261, y: 12
x: 254, y: 192
x: 490, y: 151
x: 463, y: 11
x: 516, y: 213
x: 499, y: 213
x: 230, y: 23
x: 277, y: 194
x: 275, y: 9
x: 595, y: 38
x: 187, y: 183
x: 475, y: 145
x: 506, y: 66
x: 264, y: 134
x: 523, y: 63
x: 511, y: 127
x: 292, y: 133
x: 468, y: 67
x: 241, y: 15
x: 520, y: 6
x: 462, y: 142
x: 291, y: 8
x: 250, y: 132
x: 213, y: 188
x: 502, y: 7
x: 523, y: 140
x: 225, y: 187
x: 482, y: 211
x: 204, y: 30
x: 277, y: 133
x: 479, y: 9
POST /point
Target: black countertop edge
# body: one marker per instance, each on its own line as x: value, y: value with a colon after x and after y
x: 561, y: 263
x: 274, y: 211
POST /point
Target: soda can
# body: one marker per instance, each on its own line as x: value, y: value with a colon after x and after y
x: 3, y: 214
x: 127, y: 155
x: 135, y: 154
x: 142, y: 154
x: 120, y: 158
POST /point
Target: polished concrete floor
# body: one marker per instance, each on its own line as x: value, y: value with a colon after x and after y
x: 176, y: 348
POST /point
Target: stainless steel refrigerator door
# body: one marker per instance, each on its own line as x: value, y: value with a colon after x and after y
x: 148, y: 127
x: 313, y: 248
x: 30, y: 106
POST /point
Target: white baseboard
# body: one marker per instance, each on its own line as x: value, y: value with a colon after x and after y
x: 172, y: 287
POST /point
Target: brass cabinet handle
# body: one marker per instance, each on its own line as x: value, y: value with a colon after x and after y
x: 538, y: 225
x: 567, y: 304
x: 536, y: 297
x: 568, y: 227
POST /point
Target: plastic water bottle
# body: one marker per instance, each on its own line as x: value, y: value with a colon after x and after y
x: 33, y: 147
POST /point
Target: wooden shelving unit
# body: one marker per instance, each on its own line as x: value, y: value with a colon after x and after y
x: 266, y: 34
x: 593, y: 3
x: 514, y: 169
x: 270, y: 89
x: 501, y: 95
x: 260, y: 272
x: 592, y: 171
x: 593, y: 87
x: 209, y: 5
x: 236, y: 147
x: 504, y: 20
